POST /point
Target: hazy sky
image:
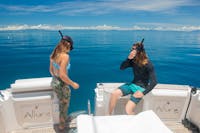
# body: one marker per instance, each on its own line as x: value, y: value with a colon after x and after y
x: 102, y: 13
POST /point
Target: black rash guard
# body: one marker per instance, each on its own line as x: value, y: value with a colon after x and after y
x: 143, y: 76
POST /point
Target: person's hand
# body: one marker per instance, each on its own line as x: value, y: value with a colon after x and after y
x: 75, y: 85
x: 138, y: 94
x: 132, y: 54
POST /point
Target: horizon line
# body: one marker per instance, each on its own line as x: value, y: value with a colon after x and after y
x: 147, y: 27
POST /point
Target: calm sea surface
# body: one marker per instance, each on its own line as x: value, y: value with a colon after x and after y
x: 97, y: 57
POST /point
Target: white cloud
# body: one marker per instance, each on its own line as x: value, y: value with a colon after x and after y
x: 147, y: 26
x: 103, y: 7
x: 29, y: 27
x: 169, y: 27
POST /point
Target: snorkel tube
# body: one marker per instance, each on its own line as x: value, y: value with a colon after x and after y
x: 67, y: 38
x: 142, y: 41
x: 140, y: 48
x: 60, y: 34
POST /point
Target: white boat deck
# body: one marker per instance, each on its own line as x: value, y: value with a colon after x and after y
x: 38, y: 130
x: 174, y: 127
x: 32, y: 107
x: 143, y: 122
x: 177, y: 127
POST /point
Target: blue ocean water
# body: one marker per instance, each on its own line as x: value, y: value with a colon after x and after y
x: 97, y: 57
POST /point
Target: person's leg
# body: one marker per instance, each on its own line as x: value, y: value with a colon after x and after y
x: 131, y: 104
x: 64, y: 104
x: 66, y: 100
x: 113, y: 99
x: 61, y: 110
x: 62, y: 115
x: 57, y: 88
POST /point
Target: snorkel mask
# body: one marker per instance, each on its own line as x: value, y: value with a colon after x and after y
x: 68, y: 39
x: 140, y: 48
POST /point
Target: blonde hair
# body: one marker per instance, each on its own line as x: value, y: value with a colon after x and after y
x: 141, y: 58
x: 62, y: 46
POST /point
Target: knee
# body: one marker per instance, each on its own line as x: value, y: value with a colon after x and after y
x: 64, y: 100
x: 61, y: 101
x: 117, y: 93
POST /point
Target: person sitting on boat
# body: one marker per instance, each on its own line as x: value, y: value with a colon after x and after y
x: 144, y: 79
x: 59, y: 65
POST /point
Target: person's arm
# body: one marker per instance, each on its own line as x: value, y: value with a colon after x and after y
x: 152, y: 79
x: 125, y: 64
x: 51, y: 67
x: 63, y: 73
x: 128, y: 62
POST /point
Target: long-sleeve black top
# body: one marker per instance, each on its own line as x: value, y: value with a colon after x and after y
x: 144, y: 76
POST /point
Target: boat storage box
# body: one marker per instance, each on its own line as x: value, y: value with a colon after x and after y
x: 3, y: 101
x: 193, y: 114
x: 31, y: 104
x: 168, y: 101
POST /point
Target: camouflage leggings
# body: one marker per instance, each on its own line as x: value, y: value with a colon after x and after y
x: 63, y: 93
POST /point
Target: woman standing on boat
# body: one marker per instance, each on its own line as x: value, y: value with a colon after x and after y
x: 59, y: 66
x: 143, y: 82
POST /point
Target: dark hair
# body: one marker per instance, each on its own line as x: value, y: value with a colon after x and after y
x: 66, y: 42
x: 141, y: 58
x: 62, y: 45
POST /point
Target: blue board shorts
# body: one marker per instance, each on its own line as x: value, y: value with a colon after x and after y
x: 130, y: 88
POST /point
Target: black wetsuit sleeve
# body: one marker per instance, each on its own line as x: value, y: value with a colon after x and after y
x: 125, y: 64
x: 152, y: 79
